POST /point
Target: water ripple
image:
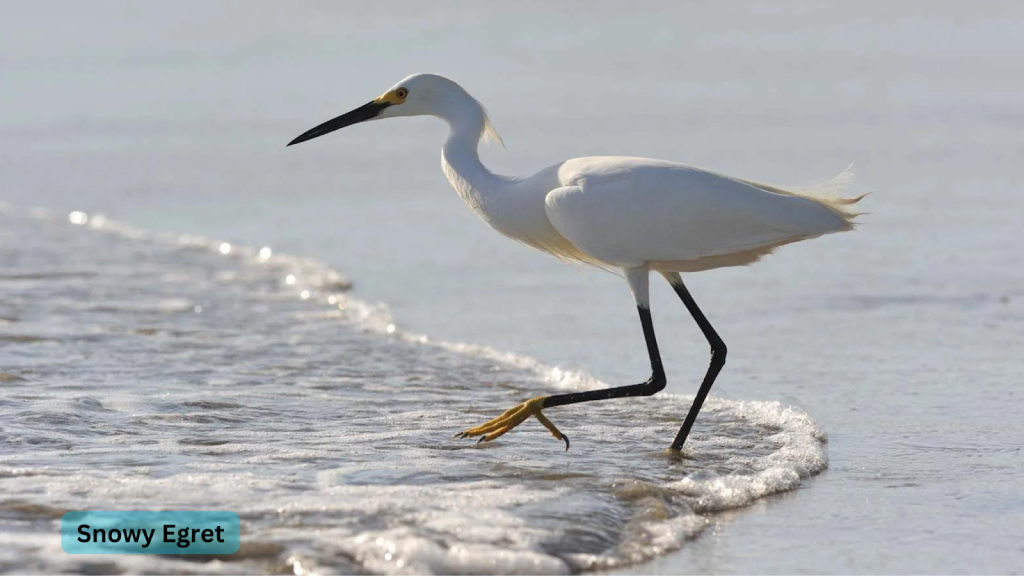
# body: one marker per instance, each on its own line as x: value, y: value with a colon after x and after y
x: 172, y: 372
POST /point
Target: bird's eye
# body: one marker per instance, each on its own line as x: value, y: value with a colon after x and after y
x: 401, y: 92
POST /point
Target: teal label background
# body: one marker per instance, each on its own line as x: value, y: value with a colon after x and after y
x: 229, y: 521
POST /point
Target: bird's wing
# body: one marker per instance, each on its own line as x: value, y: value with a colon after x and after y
x: 627, y: 212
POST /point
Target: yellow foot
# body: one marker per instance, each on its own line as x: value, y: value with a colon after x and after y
x: 510, y: 419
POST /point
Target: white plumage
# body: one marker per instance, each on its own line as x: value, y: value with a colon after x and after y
x: 621, y: 212
x: 628, y: 215
x: 632, y: 212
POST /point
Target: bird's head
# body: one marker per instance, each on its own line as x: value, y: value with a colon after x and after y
x: 416, y: 95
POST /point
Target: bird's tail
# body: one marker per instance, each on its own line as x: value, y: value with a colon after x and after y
x: 830, y: 194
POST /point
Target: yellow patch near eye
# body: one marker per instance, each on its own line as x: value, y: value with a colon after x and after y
x: 393, y: 97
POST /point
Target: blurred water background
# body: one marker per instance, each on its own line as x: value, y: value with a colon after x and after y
x: 901, y: 340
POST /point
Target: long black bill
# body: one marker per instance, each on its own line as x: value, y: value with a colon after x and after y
x: 361, y: 114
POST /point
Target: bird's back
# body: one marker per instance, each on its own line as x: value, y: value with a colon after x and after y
x: 630, y: 211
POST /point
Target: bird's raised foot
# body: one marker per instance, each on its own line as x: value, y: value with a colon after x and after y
x: 510, y: 419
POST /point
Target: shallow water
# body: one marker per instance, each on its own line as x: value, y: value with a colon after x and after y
x: 180, y: 373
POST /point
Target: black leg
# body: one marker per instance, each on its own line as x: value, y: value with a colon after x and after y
x: 653, y: 385
x: 718, y: 351
x: 637, y: 277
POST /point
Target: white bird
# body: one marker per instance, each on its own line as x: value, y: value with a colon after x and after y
x: 627, y: 215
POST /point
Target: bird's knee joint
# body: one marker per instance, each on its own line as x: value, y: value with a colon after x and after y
x: 654, y: 384
x: 718, y: 353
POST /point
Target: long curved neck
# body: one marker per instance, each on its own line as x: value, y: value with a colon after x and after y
x: 460, y: 160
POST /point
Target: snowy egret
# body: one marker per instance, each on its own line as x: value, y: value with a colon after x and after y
x: 631, y: 216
